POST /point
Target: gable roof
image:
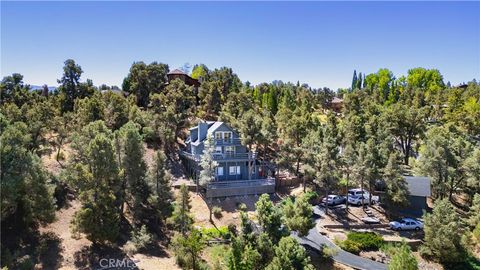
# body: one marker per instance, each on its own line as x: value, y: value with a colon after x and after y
x: 419, y: 185
x: 177, y: 72
x: 214, y: 127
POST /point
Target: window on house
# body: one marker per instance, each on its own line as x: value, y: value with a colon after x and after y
x: 219, y: 171
x: 230, y: 150
x: 218, y: 135
x: 238, y: 170
x: 232, y: 170
x: 227, y: 136
x: 218, y: 149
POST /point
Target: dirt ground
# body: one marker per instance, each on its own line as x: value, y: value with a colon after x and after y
x: 229, y: 206
x: 50, y: 162
x: 61, y: 228
x: 78, y: 253
x: 338, y: 215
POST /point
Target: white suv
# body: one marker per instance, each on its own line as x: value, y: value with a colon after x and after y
x: 357, y: 192
x: 355, y: 197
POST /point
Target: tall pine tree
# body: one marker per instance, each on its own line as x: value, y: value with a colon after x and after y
x: 354, y: 80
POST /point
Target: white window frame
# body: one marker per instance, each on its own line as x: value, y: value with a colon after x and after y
x: 230, y: 172
x: 218, y: 149
x: 217, y: 137
x: 227, y: 151
x: 225, y: 137
x: 220, y: 171
x: 238, y: 170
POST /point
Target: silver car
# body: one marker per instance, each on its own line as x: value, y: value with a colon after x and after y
x: 406, y: 224
x: 332, y: 200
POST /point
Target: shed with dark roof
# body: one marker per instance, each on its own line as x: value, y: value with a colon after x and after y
x: 419, y: 188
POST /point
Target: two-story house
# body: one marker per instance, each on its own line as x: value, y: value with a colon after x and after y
x: 238, y: 171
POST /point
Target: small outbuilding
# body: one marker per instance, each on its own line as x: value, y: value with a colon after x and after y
x: 337, y: 104
x: 420, y: 189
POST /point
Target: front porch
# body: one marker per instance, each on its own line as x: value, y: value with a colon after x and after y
x: 240, y: 188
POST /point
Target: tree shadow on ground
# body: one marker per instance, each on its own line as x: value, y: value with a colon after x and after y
x: 49, y: 251
x: 103, y: 257
x: 177, y: 169
x: 21, y: 244
x: 156, y: 250
x: 319, y: 261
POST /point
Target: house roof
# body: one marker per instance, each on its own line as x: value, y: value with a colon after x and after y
x: 337, y: 100
x: 214, y: 127
x: 419, y: 185
x: 177, y: 72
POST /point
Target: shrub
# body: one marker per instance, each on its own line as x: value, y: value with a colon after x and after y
x: 402, y: 258
x: 366, y: 240
x: 6, y: 257
x: 149, y: 134
x: 130, y: 248
x: 25, y: 263
x: 242, y: 207
x: 329, y: 252
x: 142, y: 238
x: 311, y: 196
x: 220, y: 232
x: 350, y: 246
x: 187, y: 250
x: 217, y: 212
x: 476, y: 232
x: 232, y: 228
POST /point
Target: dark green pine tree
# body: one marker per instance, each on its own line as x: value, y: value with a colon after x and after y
x: 354, y: 80
x: 359, y: 81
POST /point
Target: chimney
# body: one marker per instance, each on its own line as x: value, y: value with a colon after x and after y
x: 202, y: 130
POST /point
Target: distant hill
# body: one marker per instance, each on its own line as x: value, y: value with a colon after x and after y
x: 39, y: 87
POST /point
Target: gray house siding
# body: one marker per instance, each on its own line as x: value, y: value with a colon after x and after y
x: 243, y: 171
x: 416, y: 206
x: 239, y: 158
x: 419, y: 188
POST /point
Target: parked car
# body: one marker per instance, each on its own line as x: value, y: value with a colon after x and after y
x: 334, y: 200
x: 406, y: 224
x: 357, y: 192
x: 357, y: 199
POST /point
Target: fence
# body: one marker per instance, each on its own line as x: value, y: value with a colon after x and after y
x: 284, y: 181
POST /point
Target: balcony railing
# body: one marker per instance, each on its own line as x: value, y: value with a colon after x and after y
x: 223, y: 156
x: 242, y: 183
x: 231, y: 141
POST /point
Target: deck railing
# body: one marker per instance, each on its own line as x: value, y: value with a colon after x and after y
x: 241, y: 183
x: 231, y: 141
x: 223, y: 156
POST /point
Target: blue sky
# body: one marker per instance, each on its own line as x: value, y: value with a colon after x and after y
x: 319, y: 43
